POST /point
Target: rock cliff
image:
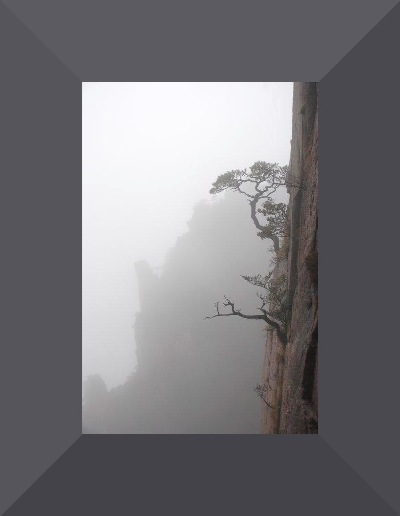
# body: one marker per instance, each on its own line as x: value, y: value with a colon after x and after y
x: 290, y: 373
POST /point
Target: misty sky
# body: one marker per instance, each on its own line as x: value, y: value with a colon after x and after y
x: 150, y: 152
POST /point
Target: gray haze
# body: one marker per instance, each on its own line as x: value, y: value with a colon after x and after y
x: 150, y: 153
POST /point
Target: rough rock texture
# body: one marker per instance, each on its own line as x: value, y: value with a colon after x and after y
x: 290, y: 374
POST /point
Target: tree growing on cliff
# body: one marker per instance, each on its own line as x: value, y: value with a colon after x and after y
x: 274, y: 307
x: 262, y: 392
x: 277, y: 217
x: 258, y: 184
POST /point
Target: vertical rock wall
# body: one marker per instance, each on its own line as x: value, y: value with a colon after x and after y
x: 291, y: 372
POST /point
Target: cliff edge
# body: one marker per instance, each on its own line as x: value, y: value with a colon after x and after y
x: 290, y: 372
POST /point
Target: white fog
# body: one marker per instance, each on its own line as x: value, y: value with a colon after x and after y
x: 151, y: 152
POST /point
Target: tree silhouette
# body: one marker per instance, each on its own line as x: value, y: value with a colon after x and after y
x: 258, y: 184
x: 275, y: 307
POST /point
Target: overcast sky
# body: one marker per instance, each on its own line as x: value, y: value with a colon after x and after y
x: 150, y: 152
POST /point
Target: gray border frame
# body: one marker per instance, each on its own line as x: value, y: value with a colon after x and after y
x: 350, y: 467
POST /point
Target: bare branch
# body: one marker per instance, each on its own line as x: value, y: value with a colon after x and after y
x: 260, y: 390
x: 276, y: 297
x: 229, y: 303
x: 268, y: 317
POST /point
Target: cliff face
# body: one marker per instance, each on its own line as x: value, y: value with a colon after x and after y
x: 290, y: 373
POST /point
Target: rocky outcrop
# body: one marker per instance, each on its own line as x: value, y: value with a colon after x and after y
x: 290, y: 374
x: 194, y: 375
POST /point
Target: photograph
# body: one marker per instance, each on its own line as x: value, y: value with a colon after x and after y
x: 200, y: 258
x: 195, y: 318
